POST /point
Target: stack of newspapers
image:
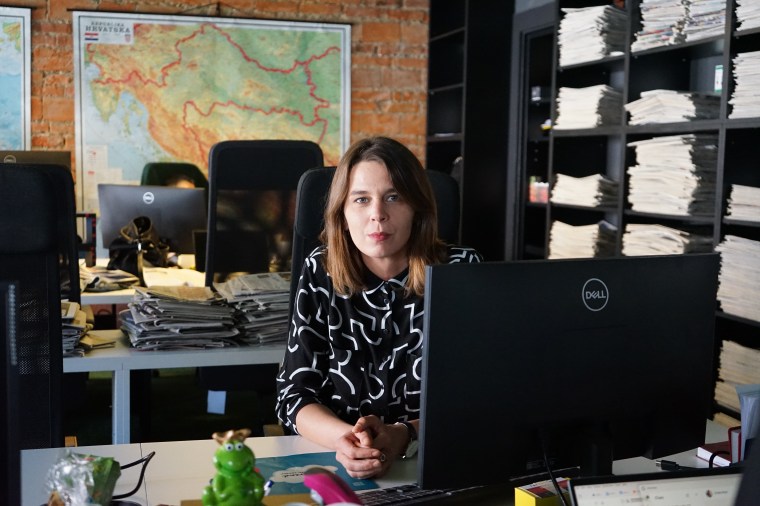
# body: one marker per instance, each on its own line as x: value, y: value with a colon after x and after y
x: 705, y: 18
x: 739, y: 280
x: 747, y: 14
x: 745, y: 100
x: 260, y: 302
x: 581, y: 241
x: 744, y: 203
x: 662, y: 23
x: 74, y: 326
x: 674, y: 175
x: 668, y: 106
x: 591, y: 33
x: 178, y: 317
x: 588, y: 107
x: 589, y: 191
x: 645, y: 239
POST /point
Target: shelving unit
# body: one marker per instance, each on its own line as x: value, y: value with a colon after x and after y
x: 468, y: 45
x: 694, y: 66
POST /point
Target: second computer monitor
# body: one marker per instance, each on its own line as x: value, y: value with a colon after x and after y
x: 175, y: 213
x: 591, y: 360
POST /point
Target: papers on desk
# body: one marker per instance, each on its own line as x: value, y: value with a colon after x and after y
x: 590, y: 191
x: 668, y: 106
x: 744, y: 203
x: 178, y: 318
x: 739, y: 280
x: 74, y: 326
x: 643, y: 239
x: 591, y: 33
x: 674, y: 175
x: 287, y: 472
x: 745, y: 100
x: 583, y: 241
x: 747, y: 14
x: 261, y: 305
x: 738, y: 365
x: 100, y: 279
x: 588, y: 107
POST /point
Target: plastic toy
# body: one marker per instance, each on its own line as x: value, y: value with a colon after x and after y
x: 237, y: 482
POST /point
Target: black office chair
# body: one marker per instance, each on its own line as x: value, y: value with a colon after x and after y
x: 310, y: 205
x: 252, y: 187
x: 36, y: 204
x: 163, y: 173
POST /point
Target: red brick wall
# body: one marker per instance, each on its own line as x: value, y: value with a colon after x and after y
x: 388, y: 53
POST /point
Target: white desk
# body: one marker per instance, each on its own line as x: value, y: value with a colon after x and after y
x: 122, y: 359
x: 180, y: 469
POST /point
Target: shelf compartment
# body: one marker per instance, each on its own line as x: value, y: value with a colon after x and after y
x: 445, y: 111
x: 446, y: 61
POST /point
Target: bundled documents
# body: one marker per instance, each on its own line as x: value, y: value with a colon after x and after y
x: 178, y: 317
x: 675, y: 175
x: 668, y: 106
x: 74, y: 326
x: 591, y: 33
x: 704, y: 18
x: 739, y: 279
x: 582, y: 241
x: 747, y: 14
x: 739, y: 365
x: 662, y: 23
x: 590, y: 191
x: 744, y: 203
x: 588, y: 107
x: 745, y: 100
x: 260, y: 302
x: 645, y: 239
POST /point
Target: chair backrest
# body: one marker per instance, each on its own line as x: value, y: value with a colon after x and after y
x: 252, y: 188
x: 161, y: 173
x: 311, y: 198
x: 32, y: 201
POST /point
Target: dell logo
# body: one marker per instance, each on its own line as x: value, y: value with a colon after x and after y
x: 595, y: 294
x: 148, y: 198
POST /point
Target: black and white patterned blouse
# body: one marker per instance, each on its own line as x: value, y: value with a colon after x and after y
x: 359, y: 355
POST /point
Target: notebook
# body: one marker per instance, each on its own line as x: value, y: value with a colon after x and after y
x: 716, y: 486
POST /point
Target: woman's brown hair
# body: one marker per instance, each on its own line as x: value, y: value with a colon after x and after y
x: 343, y: 260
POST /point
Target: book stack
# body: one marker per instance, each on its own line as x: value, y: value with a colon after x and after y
x: 738, y: 365
x: 588, y: 107
x: 582, y: 241
x: 178, y: 317
x: 739, y: 280
x: 662, y: 23
x: 744, y: 203
x: 590, y: 191
x: 668, y: 106
x: 704, y: 18
x: 745, y: 100
x: 675, y: 175
x: 261, y: 304
x: 591, y: 33
x: 643, y: 239
x: 747, y: 14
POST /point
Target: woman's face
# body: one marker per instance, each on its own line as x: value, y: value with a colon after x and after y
x: 378, y: 219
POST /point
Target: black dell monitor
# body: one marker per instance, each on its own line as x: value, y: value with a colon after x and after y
x: 175, y: 213
x: 584, y: 360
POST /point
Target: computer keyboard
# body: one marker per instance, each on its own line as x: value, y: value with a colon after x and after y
x: 408, y: 494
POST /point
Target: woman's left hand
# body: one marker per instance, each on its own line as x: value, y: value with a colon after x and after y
x: 390, y: 440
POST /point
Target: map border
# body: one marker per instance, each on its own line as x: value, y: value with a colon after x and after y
x: 25, y: 14
x: 80, y: 17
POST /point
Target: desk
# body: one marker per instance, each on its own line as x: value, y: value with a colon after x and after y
x: 113, y: 297
x: 122, y: 359
x: 180, y: 469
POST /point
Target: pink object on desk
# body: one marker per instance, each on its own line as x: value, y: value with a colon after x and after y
x: 330, y: 487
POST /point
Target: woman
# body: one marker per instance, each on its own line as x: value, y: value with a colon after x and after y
x: 351, y: 377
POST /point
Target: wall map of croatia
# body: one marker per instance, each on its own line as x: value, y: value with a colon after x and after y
x: 167, y: 88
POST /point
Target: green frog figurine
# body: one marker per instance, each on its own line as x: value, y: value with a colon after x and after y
x: 237, y: 482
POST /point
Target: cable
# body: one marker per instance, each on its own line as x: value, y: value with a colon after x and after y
x: 715, y: 454
x: 669, y: 465
x: 145, y: 460
x: 551, y: 474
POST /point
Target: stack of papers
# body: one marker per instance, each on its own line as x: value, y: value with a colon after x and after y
x: 588, y: 107
x: 591, y: 33
x: 178, y: 318
x: 744, y: 203
x: 584, y: 241
x: 745, y: 100
x: 675, y: 175
x: 260, y: 302
x: 590, y: 191
x: 668, y: 106
x: 74, y: 326
x: 662, y: 23
x: 739, y: 365
x: 100, y: 279
x: 642, y: 239
x: 705, y: 18
x: 739, y: 280
x: 747, y: 14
